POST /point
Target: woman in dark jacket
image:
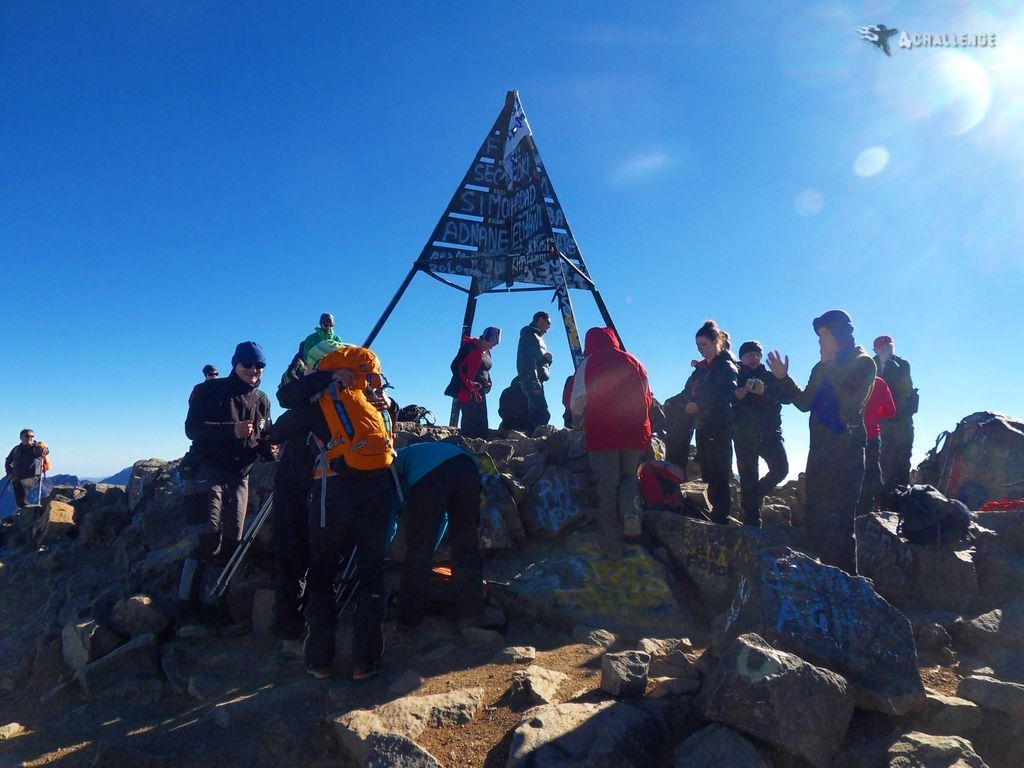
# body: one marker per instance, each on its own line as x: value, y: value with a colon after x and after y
x: 471, y: 381
x: 710, y: 389
x: 835, y: 396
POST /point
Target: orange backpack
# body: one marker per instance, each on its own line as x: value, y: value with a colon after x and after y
x: 44, y: 458
x: 362, y: 434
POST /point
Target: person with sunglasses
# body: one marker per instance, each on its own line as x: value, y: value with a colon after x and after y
x: 228, y: 423
x: 23, y: 466
x: 209, y: 374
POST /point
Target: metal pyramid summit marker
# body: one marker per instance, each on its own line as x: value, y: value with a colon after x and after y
x: 505, y: 230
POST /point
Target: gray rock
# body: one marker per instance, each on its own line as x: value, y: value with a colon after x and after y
x: 133, y: 668
x: 11, y: 731
x: 85, y: 641
x: 1000, y: 577
x: 389, y: 750
x: 535, y: 685
x: 606, y: 734
x: 997, y: 636
x: 716, y: 746
x: 657, y: 648
x: 779, y: 698
x: 673, y: 686
x: 624, y: 674
x: 600, y: 638
x: 556, y: 503
x: 831, y: 619
x: 136, y: 615
x: 993, y: 694
x: 516, y: 654
x: 948, y: 716
x: 407, y: 717
x: 481, y: 636
x: 120, y: 756
x: 407, y: 682
x: 921, y: 750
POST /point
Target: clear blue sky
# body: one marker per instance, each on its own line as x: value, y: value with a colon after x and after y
x: 177, y: 176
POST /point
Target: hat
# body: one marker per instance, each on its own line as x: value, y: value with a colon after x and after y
x: 882, y: 340
x: 837, y: 322
x: 326, y: 319
x: 248, y: 352
x: 750, y: 346
x: 491, y: 334
x: 321, y: 350
x: 208, y: 369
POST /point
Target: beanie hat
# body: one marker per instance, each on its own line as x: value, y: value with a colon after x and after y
x: 321, y: 350
x: 491, y: 334
x: 749, y: 346
x: 882, y: 340
x: 248, y: 352
x: 838, y: 323
x: 326, y: 319
x: 208, y: 369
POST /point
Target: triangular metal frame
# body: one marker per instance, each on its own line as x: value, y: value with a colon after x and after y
x: 505, y: 229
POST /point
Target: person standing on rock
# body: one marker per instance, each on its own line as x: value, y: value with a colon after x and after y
x: 23, y: 466
x: 209, y: 374
x: 897, y: 431
x: 324, y: 332
x: 533, y: 368
x: 471, y: 381
x: 758, y: 431
x: 436, y: 478
x: 879, y: 406
x: 610, y: 391
x: 227, y: 423
x: 835, y: 397
x: 711, y: 389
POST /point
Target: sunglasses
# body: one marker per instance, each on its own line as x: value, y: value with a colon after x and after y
x: 257, y: 366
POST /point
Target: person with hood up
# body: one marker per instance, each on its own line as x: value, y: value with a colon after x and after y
x: 611, y: 393
x: 711, y: 388
x: 533, y: 368
x: 471, y: 381
x: 835, y: 396
x: 324, y: 332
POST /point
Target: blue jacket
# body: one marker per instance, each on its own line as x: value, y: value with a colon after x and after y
x: 411, y: 465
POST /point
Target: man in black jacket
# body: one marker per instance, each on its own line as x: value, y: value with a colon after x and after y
x: 757, y: 431
x: 897, y: 432
x: 22, y: 466
x: 227, y: 422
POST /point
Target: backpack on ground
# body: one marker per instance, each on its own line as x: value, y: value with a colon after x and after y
x: 928, y: 517
x: 417, y: 414
x: 513, y: 407
x: 658, y: 482
x: 362, y: 434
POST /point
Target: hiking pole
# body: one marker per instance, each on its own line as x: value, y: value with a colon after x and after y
x: 348, y: 583
x: 221, y: 585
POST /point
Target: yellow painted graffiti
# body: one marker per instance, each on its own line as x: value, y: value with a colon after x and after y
x: 635, y: 583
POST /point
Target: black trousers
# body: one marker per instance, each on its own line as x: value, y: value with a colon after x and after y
x: 453, y: 486
x: 835, y: 470
x: 753, y: 443
x: 291, y: 551
x: 872, y: 486
x: 357, y: 509
x: 897, y: 445
x: 678, y: 437
x: 714, y: 454
x: 537, y: 409
x: 217, y: 499
x: 474, y: 418
x: 21, y: 489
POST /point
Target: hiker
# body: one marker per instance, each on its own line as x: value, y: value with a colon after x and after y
x: 436, y: 478
x: 324, y: 332
x: 711, y: 389
x: 678, y: 430
x: 611, y: 393
x: 835, y: 395
x: 757, y: 411
x: 898, y: 430
x: 227, y: 423
x: 513, y: 408
x: 209, y: 373
x: 879, y: 406
x: 350, y: 501
x: 533, y: 366
x: 24, y: 464
x: 471, y: 381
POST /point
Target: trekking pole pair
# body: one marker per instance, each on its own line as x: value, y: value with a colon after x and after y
x: 221, y: 585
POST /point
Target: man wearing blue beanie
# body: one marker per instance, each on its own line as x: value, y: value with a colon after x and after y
x: 227, y: 423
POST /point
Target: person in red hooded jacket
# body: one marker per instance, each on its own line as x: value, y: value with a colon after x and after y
x: 471, y: 381
x: 611, y: 393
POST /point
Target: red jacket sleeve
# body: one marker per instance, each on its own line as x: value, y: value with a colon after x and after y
x: 882, y: 399
x: 468, y: 369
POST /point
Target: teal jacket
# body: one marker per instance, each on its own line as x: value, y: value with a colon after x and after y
x: 315, y: 338
x: 411, y: 465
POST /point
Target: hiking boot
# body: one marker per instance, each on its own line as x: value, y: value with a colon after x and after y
x: 366, y: 672
x: 320, y: 673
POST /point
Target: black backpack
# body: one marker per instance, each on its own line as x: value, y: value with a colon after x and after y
x: 513, y: 407
x: 417, y: 414
x: 928, y: 517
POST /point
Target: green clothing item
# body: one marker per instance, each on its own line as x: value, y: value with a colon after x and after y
x: 533, y: 363
x: 318, y: 335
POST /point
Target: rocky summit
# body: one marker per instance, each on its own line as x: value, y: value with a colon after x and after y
x: 703, y: 645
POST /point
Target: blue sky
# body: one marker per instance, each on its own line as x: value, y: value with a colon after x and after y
x: 179, y: 176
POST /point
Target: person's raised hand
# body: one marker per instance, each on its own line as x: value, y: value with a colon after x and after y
x: 243, y: 428
x: 779, y: 366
